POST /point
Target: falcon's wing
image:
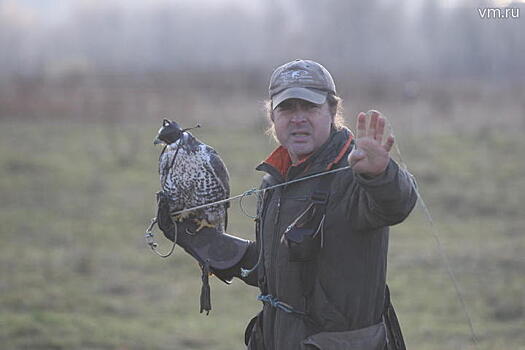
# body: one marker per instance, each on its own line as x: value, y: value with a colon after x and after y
x: 224, y: 178
x: 220, y: 170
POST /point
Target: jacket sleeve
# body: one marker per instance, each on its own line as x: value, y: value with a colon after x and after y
x: 382, y: 201
x: 247, y: 262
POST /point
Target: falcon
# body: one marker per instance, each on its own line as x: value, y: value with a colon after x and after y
x: 192, y: 174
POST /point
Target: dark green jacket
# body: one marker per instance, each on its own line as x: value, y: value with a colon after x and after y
x: 349, y: 276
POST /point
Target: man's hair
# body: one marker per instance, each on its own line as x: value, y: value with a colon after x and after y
x: 335, y: 103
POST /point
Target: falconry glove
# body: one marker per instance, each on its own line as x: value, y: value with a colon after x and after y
x: 214, y: 250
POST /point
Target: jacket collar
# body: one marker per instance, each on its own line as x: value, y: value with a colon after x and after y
x: 279, y: 165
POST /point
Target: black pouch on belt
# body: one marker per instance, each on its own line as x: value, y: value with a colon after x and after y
x: 304, y: 236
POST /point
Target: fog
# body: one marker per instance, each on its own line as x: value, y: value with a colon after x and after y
x: 392, y: 38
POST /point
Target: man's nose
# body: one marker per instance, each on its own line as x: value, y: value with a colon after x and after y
x: 299, y: 116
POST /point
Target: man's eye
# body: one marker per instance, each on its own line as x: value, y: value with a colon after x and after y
x: 312, y: 106
x: 284, y: 107
x: 304, y: 105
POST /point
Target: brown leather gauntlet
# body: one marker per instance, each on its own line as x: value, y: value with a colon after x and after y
x: 214, y: 250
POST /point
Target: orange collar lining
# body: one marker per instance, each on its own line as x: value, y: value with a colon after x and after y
x: 280, y: 158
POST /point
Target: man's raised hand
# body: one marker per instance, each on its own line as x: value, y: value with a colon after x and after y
x: 370, y: 156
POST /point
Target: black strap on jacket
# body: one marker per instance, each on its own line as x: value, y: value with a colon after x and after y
x: 319, y: 199
x: 310, y: 272
x: 393, y: 329
x: 304, y: 238
x: 310, y: 268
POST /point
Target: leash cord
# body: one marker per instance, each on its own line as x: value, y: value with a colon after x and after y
x: 150, y: 240
x: 149, y: 237
x: 439, y: 244
x: 255, y: 190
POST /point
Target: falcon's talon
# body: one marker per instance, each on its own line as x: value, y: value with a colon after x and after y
x: 202, y: 224
x: 181, y: 217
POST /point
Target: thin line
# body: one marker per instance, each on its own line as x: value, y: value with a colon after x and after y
x: 254, y: 190
x: 445, y: 258
x: 441, y: 248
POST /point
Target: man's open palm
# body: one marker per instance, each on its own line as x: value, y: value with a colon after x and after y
x: 370, y: 156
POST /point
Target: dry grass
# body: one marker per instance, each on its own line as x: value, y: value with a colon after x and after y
x: 77, y: 195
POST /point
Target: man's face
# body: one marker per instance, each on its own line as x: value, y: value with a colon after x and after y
x: 301, y: 126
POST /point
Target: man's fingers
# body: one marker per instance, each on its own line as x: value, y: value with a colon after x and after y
x: 373, y: 123
x: 380, y: 129
x: 361, y: 125
x: 389, y: 143
x: 375, y: 128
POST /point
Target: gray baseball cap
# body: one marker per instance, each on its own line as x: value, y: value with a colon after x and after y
x: 303, y: 79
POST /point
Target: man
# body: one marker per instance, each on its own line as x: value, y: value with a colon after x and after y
x: 320, y: 253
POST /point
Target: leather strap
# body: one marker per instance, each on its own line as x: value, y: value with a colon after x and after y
x: 394, y: 335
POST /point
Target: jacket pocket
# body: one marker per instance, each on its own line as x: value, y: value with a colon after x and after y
x: 253, y: 335
x: 303, y: 236
x: 369, y: 338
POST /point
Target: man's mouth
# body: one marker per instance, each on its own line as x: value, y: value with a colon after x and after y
x: 300, y: 133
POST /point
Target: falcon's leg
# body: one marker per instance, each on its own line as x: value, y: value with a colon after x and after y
x: 182, y: 217
x: 202, y: 224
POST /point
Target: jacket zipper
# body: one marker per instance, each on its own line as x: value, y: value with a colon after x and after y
x: 273, y: 261
x: 275, y: 241
x: 266, y: 199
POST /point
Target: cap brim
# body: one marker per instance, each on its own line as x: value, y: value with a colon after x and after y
x: 310, y: 95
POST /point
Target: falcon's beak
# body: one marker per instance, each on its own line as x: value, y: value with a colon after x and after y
x: 157, y: 141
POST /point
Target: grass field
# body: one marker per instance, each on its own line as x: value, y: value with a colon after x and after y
x: 76, y: 273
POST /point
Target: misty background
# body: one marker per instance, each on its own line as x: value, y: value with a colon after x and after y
x: 133, y: 59
x: 84, y: 86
